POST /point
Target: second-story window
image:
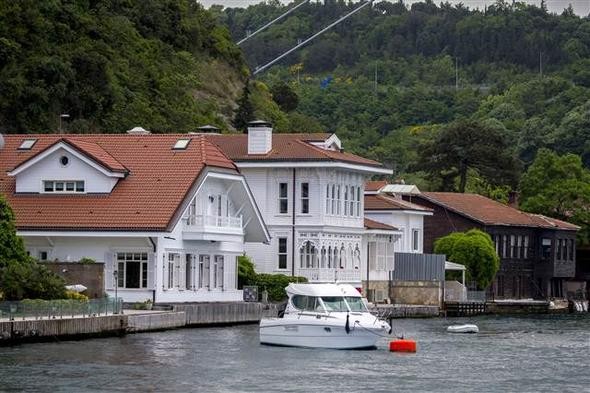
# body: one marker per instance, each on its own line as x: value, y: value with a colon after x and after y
x: 352, y: 201
x: 304, y: 198
x: 358, y: 201
x: 283, y: 198
x: 63, y: 186
x: 333, y: 208
x: 328, y: 199
x: 338, y: 199
x: 345, y: 200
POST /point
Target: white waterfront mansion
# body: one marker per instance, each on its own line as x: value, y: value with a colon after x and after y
x: 311, y: 195
x: 167, y: 214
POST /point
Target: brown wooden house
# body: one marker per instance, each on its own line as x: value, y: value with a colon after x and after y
x: 537, y: 253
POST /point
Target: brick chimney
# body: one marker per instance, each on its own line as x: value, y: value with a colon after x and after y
x: 259, y: 137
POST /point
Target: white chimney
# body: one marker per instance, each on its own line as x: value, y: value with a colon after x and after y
x: 259, y: 137
x: 138, y: 131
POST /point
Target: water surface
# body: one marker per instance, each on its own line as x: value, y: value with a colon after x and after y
x: 524, y: 354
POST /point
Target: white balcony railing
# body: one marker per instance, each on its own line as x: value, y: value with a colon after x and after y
x: 204, y: 221
x: 330, y: 275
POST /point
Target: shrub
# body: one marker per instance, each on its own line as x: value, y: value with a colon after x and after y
x: 86, y: 261
x: 20, y: 280
x: 75, y: 295
x: 275, y: 284
x: 246, y: 272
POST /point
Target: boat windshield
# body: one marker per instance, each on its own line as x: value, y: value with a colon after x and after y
x: 339, y: 304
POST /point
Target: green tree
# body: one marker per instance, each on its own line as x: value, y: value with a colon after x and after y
x: 558, y: 186
x: 245, y: 112
x: 468, y: 145
x: 284, y: 96
x: 20, y: 275
x: 475, y: 250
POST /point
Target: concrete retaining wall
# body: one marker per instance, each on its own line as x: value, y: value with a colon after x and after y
x: 91, y: 275
x: 157, y: 321
x: 426, y: 293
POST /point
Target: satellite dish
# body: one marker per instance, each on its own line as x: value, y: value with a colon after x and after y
x: 1, y: 141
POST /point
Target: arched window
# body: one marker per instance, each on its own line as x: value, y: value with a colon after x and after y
x: 335, y: 259
x: 308, y: 256
x: 323, y: 258
x: 342, y: 257
x: 329, y: 256
x: 357, y: 257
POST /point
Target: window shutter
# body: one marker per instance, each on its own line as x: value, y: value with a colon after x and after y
x: 109, y: 267
x: 164, y: 272
x: 151, y: 282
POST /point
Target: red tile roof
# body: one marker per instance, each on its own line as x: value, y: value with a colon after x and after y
x: 371, y: 224
x: 490, y: 212
x: 147, y: 199
x: 375, y: 185
x: 286, y: 147
x: 385, y: 202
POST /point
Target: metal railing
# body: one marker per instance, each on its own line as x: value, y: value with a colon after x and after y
x: 215, y: 221
x: 330, y: 275
x: 59, y: 309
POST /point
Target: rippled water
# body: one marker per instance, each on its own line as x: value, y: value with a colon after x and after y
x: 524, y: 354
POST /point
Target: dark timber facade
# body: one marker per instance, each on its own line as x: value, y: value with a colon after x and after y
x: 537, y: 253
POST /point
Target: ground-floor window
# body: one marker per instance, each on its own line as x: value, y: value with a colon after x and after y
x: 218, y: 271
x: 132, y: 269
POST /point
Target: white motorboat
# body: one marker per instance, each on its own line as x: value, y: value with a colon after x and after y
x: 324, y: 316
x: 466, y: 328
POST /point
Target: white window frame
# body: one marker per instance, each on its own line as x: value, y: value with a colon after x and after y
x: 304, y: 198
x: 143, y: 268
x: 416, y: 240
x: 285, y: 253
x: 64, y: 190
x: 283, y: 198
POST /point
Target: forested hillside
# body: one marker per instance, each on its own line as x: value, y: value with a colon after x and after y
x: 166, y: 65
x: 450, y: 98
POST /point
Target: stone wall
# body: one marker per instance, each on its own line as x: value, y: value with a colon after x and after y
x: 91, y: 275
x: 427, y: 293
x: 378, y: 291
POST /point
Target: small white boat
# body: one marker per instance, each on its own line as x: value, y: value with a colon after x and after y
x: 324, y: 316
x: 466, y: 328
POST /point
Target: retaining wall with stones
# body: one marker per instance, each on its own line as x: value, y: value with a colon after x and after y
x: 156, y: 321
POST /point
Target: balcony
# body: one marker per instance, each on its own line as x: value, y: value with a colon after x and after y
x: 216, y: 228
x: 330, y: 275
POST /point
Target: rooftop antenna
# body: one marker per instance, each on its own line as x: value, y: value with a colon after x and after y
x: 267, y: 65
x: 248, y: 35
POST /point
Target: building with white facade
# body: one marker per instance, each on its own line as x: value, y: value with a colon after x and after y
x: 311, y: 194
x: 384, y: 204
x: 167, y: 214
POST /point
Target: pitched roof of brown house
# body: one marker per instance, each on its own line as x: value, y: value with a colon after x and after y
x: 375, y: 185
x: 490, y: 212
x: 286, y: 147
x: 147, y: 199
x: 385, y: 202
x: 371, y: 224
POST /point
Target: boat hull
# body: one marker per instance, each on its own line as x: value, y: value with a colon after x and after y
x: 317, y: 334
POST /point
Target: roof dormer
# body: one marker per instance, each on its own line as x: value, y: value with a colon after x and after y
x: 332, y: 143
x: 69, y: 166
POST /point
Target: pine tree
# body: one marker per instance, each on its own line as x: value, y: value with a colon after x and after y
x: 245, y: 112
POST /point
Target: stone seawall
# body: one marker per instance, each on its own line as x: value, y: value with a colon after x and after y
x: 202, y: 314
x: 51, y: 329
x: 156, y: 321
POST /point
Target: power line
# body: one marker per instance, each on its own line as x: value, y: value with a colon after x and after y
x: 260, y: 69
x: 272, y: 22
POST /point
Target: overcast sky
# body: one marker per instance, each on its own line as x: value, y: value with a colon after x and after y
x: 581, y: 7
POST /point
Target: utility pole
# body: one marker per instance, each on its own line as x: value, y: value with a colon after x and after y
x: 264, y: 67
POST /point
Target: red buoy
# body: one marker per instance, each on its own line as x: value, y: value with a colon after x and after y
x: 402, y: 346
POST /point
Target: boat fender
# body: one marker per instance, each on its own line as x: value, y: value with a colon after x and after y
x: 347, y: 325
x: 402, y: 346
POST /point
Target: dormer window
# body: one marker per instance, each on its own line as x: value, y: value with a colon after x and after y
x: 27, y: 144
x: 181, y: 144
x: 64, y: 186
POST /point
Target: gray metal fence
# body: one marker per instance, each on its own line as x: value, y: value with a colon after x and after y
x: 418, y: 267
x: 63, y: 308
